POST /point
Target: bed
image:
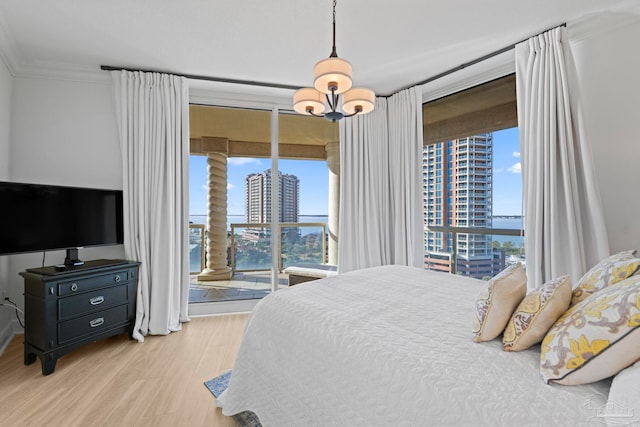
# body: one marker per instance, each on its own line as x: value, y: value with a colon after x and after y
x: 391, y: 346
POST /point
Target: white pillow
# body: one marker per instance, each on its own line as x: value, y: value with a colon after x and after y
x: 624, y: 398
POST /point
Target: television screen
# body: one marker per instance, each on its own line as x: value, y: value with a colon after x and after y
x: 36, y: 217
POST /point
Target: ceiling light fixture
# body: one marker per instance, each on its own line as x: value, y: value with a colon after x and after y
x: 332, y: 77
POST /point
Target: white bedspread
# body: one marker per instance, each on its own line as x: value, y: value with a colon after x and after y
x: 390, y: 346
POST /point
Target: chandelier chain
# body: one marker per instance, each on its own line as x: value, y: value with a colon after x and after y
x: 334, y: 54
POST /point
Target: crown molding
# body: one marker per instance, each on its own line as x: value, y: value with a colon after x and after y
x: 61, y: 71
x: 590, y: 26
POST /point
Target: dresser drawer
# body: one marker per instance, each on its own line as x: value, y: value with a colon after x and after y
x: 89, y: 283
x: 91, y: 324
x: 90, y: 302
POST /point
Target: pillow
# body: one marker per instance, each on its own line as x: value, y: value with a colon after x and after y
x: 624, y: 397
x: 537, y: 312
x: 595, y: 338
x: 497, y: 301
x: 607, y: 272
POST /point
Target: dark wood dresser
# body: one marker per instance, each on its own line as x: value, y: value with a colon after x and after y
x: 66, y: 309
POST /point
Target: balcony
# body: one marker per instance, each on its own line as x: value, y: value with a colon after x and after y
x: 249, y: 256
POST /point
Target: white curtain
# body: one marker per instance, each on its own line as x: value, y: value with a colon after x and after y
x: 564, y: 225
x: 153, y: 122
x: 380, y: 185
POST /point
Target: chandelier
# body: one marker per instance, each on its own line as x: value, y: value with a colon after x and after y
x: 332, y: 78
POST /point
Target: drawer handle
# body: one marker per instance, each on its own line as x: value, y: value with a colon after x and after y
x: 96, y: 322
x: 117, y: 278
x: 97, y: 300
x: 74, y: 287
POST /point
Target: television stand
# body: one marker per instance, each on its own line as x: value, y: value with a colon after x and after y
x: 71, y: 259
x: 64, y: 310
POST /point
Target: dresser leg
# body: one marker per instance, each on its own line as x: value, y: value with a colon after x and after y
x: 48, y: 364
x: 29, y: 358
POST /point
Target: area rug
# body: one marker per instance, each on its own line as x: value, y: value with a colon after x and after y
x: 219, y: 384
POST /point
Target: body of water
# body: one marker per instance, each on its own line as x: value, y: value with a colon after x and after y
x: 240, y: 219
x: 512, y: 223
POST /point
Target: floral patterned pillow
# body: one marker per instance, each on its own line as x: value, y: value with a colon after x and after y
x: 595, y: 338
x: 607, y: 272
x: 536, y: 314
x: 497, y: 302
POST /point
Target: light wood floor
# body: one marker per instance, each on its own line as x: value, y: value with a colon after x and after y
x: 118, y: 382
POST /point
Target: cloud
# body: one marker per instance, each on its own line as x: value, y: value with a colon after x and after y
x: 517, y: 168
x: 205, y: 187
x: 498, y: 170
x: 230, y: 186
x: 516, y: 154
x: 240, y: 161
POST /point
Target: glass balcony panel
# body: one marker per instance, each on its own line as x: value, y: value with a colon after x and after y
x: 480, y: 255
x: 250, y: 245
x: 196, y: 248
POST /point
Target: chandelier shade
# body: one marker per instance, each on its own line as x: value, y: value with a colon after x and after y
x: 331, y: 79
x: 358, y: 100
x: 332, y: 73
x: 308, y: 100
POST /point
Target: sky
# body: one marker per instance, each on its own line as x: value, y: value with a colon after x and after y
x: 314, y: 179
x: 507, y: 177
x: 312, y: 174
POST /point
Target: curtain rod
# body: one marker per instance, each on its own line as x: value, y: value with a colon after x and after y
x: 282, y: 86
x: 206, y: 78
x: 477, y: 60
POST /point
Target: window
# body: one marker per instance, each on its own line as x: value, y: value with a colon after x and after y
x: 477, y: 130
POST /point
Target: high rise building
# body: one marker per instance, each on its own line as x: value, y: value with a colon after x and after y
x: 457, y: 192
x: 258, y: 197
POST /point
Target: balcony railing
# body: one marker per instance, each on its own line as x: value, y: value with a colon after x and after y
x: 250, y: 245
x: 452, y: 247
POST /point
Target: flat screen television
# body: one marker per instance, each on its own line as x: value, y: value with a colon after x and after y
x: 37, y: 217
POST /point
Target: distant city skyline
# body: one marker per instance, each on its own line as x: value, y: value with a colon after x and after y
x: 314, y: 180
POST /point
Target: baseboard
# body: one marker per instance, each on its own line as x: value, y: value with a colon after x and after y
x: 8, y: 332
x: 222, y: 307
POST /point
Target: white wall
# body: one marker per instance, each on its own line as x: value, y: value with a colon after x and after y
x: 608, y: 65
x: 63, y: 133
x: 6, y: 84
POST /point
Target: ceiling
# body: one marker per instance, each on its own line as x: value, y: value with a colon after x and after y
x: 391, y: 45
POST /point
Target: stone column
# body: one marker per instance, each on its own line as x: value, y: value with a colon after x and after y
x: 216, y: 268
x: 333, y: 163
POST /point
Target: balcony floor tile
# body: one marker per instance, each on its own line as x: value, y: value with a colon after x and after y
x: 242, y: 286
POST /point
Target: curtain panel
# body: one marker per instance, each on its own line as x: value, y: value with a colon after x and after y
x: 153, y: 124
x: 564, y: 223
x: 380, y: 192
